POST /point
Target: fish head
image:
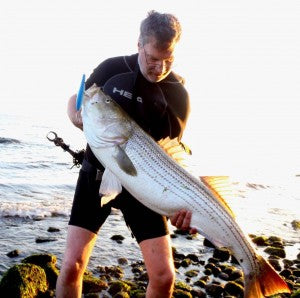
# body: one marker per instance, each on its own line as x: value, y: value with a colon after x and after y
x: 104, y: 121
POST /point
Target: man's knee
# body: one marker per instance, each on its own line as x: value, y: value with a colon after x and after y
x: 163, y: 279
x: 72, y: 270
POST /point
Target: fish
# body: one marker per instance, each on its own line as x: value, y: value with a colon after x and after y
x: 154, y: 174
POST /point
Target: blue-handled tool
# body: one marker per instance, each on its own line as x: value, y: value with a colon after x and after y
x: 80, y: 93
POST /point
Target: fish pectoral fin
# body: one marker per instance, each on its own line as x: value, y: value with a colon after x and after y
x: 124, y: 161
x: 110, y: 186
x: 221, y: 188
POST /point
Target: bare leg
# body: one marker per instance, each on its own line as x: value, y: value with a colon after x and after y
x: 159, y: 263
x: 80, y: 243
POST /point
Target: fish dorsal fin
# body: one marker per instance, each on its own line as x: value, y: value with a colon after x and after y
x: 220, y: 186
x: 174, y: 149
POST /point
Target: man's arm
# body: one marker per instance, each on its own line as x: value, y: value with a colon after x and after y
x: 74, y: 115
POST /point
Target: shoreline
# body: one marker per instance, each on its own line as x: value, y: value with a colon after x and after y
x: 197, y: 272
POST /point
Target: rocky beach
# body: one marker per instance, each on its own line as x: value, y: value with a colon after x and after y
x: 208, y: 272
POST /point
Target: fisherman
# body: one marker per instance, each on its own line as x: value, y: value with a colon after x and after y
x: 154, y: 96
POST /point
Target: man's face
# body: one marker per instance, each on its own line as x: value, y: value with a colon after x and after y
x: 155, y: 64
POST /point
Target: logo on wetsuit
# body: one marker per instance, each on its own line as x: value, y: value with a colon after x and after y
x: 126, y: 94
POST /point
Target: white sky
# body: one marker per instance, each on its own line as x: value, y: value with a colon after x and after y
x: 241, y: 61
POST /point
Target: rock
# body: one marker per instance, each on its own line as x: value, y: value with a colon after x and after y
x: 200, y: 283
x: 182, y: 286
x: 192, y: 273
x: 196, y: 293
x: 207, y: 243
x: 261, y: 240
x: 221, y: 254
x: 48, y: 263
x: 186, y: 263
x: 296, y: 224
x: 193, y: 257
x: 93, y: 284
x: 13, y: 253
x: 234, y: 289
x: 111, y: 271
x: 296, y: 294
x: 118, y: 286
x: 286, y: 273
x: 137, y: 293
x: 23, y: 280
x: 121, y: 294
x: 44, y: 239
x: 53, y: 230
x: 236, y: 274
x: 275, y: 264
x: 224, y: 276
x: 214, y: 290
x: 118, y: 238
x: 122, y: 261
x: 178, y: 293
x: 275, y: 251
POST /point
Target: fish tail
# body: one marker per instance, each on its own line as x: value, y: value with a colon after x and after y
x: 266, y: 282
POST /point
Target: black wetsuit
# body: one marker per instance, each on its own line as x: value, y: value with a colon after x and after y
x: 161, y: 109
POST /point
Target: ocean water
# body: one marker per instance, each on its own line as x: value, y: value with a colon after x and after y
x: 37, y: 185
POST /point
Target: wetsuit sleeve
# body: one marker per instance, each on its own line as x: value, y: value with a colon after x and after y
x: 178, y: 109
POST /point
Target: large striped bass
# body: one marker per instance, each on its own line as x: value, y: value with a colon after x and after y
x: 157, y: 180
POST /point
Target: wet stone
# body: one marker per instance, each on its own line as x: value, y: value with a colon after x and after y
x: 207, y: 243
x: 117, y: 238
x: 296, y: 224
x: 44, y: 239
x: 178, y: 293
x: 222, y: 254
x: 207, y: 271
x: 14, y: 253
x: 235, y: 274
x: 286, y: 273
x: 234, y: 288
x: 192, y: 273
x: 53, y: 230
x: 185, y: 263
x: 200, y: 283
x: 261, y: 240
x: 275, y: 251
x: 118, y: 286
x: 296, y: 272
x: 196, y: 293
x: 193, y: 257
x: 214, y: 290
x: 275, y: 264
x: 275, y: 238
x: 122, y: 261
x: 224, y: 276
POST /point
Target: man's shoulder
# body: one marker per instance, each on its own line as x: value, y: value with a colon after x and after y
x: 111, y: 67
x: 122, y: 63
x: 173, y: 77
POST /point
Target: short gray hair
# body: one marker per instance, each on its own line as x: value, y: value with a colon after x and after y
x: 164, y: 27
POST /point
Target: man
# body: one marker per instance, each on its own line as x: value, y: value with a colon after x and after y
x: 144, y: 85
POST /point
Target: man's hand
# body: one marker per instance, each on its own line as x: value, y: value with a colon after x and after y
x: 182, y: 220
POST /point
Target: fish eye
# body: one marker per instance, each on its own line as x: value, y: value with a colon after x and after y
x: 107, y: 100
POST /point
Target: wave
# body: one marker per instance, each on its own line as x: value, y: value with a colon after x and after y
x: 31, y: 210
x: 9, y: 141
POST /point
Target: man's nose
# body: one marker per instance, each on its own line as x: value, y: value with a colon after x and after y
x: 160, y: 66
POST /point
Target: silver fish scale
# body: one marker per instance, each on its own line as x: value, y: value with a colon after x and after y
x: 165, y: 172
